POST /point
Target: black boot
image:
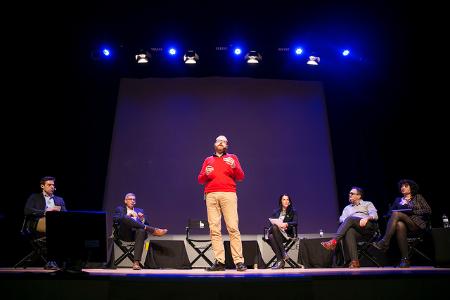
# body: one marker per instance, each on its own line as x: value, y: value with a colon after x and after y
x: 241, y: 267
x: 217, y: 266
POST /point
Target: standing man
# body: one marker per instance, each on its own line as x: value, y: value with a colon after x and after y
x: 358, y: 222
x: 40, y: 203
x: 219, y: 174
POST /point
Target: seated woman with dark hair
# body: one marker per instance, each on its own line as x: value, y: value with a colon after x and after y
x: 410, y: 212
x: 279, y: 234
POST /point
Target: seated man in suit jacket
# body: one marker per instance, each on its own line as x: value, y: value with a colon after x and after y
x: 39, y: 203
x: 133, y: 226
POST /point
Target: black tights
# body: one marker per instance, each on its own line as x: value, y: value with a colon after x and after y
x: 276, y: 241
x: 399, y: 223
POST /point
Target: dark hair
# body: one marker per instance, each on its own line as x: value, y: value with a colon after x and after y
x: 289, y: 208
x: 412, y: 184
x: 360, y: 190
x: 47, y: 178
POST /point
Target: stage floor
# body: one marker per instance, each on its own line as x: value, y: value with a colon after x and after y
x: 249, y: 273
x: 125, y: 283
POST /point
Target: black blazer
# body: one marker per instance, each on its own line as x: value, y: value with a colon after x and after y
x: 291, y: 219
x: 35, y: 205
x: 121, y: 212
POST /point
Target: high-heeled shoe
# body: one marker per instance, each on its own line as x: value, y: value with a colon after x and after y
x: 404, y: 263
x: 278, y: 265
x: 380, y: 245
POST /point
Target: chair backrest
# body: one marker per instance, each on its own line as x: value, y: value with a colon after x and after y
x: 129, y: 245
x: 29, y: 225
x: 418, y: 236
x: 294, y: 235
x: 197, y: 226
x: 416, y: 239
x: 295, y: 232
x: 428, y: 226
x: 115, y: 231
x: 37, y: 241
x: 369, y: 239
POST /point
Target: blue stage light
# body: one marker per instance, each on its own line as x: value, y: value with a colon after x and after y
x: 106, y: 52
x: 172, y: 51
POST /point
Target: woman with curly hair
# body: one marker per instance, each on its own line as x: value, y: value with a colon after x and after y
x: 409, y: 213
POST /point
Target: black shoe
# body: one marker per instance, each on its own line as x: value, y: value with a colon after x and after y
x: 404, y: 263
x: 278, y: 265
x: 380, y: 245
x: 217, y: 266
x: 51, y: 265
x: 241, y: 267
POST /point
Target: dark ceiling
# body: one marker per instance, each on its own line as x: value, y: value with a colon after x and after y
x: 57, y: 76
x: 374, y: 30
x: 378, y: 32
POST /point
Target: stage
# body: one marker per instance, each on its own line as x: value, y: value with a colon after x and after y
x: 318, y: 283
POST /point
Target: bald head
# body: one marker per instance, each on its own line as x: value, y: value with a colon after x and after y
x: 221, y: 138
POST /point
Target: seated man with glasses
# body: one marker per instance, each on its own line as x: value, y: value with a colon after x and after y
x: 133, y: 226
x: 358, y: 220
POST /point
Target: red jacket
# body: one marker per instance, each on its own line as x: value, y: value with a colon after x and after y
x: 223, y: 178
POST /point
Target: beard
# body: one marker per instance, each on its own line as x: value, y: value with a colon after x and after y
x: 220, y: 149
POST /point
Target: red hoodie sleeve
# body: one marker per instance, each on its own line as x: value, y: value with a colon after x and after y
x: 238, y: 172
x: 202, y: 177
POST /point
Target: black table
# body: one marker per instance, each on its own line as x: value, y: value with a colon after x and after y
x: 441, y: 243
x: 250, y: 251
x: 167, y: 254
x: 312, y: 254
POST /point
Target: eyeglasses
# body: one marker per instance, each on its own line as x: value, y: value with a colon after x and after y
x: 221, y: 141
x: 351, y: 193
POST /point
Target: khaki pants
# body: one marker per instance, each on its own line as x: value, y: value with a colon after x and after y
x: 218, y: 203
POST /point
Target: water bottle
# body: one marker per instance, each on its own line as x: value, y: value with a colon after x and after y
x: 445, y: 221
x: 321, y: 231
